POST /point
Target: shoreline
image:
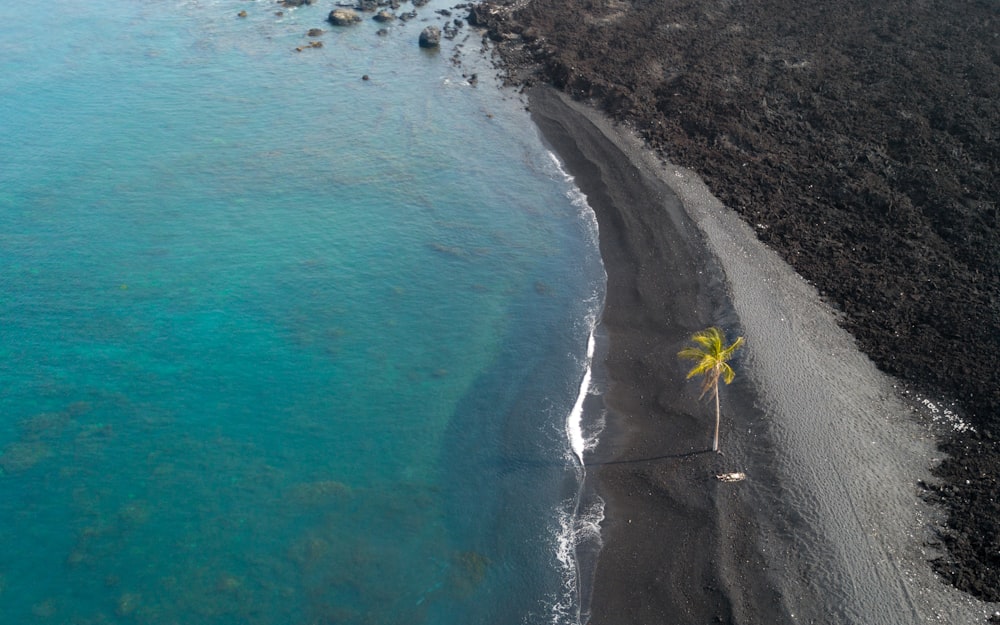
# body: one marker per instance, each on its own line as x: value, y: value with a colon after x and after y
x: 624, y: 307
x: 856, y: 143
x: 828, y: 527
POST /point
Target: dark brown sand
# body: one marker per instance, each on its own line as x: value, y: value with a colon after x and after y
x: 829, y: 526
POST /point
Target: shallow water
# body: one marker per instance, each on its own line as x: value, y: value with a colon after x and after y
x: 280, y: 345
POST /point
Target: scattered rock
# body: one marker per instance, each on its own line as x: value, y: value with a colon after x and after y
x: 484, y: 16
x: 384, y: 16
x: 343, y: 17
x: 241, y: 14
x: 430, y: 37
x: 315, y: 32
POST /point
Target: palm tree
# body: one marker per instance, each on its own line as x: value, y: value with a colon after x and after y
x: 711, y: 361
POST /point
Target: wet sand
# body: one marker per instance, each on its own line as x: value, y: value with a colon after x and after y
x: 828, y: 527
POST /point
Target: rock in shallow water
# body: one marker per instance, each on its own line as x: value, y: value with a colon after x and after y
x: 343, y: 17
x: 430, y: 37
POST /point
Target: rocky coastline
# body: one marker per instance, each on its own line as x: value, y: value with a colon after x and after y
x: 860, y: 143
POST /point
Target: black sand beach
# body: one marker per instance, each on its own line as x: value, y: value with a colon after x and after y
x: 829, y: 526
x: 653, y: 471
x: 859, y: 142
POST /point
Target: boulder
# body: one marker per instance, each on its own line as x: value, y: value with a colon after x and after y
x: 430, y: 37
x: 479, y: 15
x: 343, y: 17
x: 384, y: 16
x: 315, y: 32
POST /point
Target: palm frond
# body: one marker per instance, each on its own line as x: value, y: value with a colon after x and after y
x: 728, y: 352
x: 727, y: 373
x: 710, y: 357
x: 704, y: 366
x: 710, y: 339
x: 691, y: 353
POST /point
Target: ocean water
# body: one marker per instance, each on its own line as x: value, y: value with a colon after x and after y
x: 279, y: 344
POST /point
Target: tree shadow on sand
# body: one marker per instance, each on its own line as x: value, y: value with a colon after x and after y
x: 649, y: 459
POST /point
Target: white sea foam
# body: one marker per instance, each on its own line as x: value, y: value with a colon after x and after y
x: 579, y: 518
x: 579, y: 521
x: 578, y: 527
x: 574, y: 428
x: 579, y: 442
x: 576, y: 197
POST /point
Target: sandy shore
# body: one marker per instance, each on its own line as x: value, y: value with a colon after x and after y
x: 828, y: 527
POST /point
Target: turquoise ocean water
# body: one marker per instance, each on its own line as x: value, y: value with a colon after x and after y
x: 277, y: 344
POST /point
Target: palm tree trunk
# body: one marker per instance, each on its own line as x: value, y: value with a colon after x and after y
x: 715, y: 443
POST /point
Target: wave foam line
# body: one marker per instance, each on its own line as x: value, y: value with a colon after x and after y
x: 579, y: 521
x: 577, y: 198
x: 576, y: 527
x: 574, y: 425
